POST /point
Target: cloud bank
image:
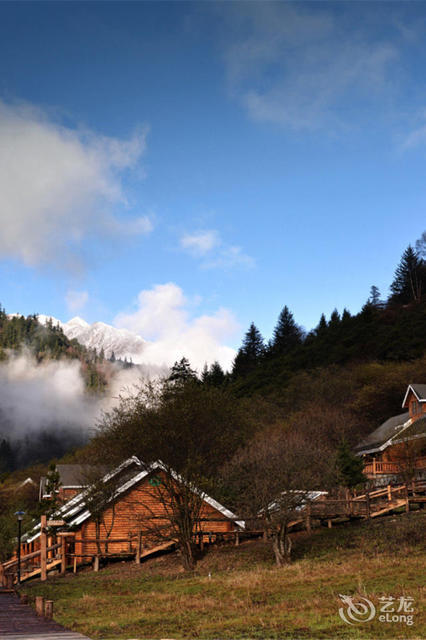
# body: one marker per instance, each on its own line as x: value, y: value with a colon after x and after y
x: 58, y: 185
x: 162, y: 316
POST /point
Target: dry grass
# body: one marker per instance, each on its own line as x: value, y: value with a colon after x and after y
x: 246, y: 596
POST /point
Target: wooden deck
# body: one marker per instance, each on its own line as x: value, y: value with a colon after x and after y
x: 19, y: 622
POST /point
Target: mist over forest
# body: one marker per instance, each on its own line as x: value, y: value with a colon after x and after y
x: 54, y: 391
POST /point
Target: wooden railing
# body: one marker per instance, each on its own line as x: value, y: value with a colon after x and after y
x: 58, y: 556
x: 377, y: 467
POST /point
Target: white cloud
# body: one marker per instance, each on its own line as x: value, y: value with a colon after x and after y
x: 214, y: 253
x: 298, y: 66
x: 201, y: 242
x: 228, y: 257
x: 76, y: 300
x: 58, y: 185
x: 162, y: 316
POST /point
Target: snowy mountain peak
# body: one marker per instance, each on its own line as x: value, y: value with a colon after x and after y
x: 102, y: 336
x: 78, y: 322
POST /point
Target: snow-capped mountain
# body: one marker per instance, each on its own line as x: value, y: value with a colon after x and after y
x: 121, y: 342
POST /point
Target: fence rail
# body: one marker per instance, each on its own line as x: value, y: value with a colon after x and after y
x: 59, y: 555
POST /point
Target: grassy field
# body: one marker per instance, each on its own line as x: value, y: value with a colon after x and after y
x: 245, y: 596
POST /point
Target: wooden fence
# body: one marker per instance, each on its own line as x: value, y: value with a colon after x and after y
x: 58, y: 556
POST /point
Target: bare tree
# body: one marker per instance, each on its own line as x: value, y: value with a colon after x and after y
x: 272, y: 479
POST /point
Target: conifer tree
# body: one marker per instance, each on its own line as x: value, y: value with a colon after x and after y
x: 410, y: 278
x: 374, y: 298
x: 334, y: 319
x: 321, y: 326
x: 216, y: 375
x: 287, y: 334
x: 349, y: 467
x: 250, y: 353
x: 181, y: 373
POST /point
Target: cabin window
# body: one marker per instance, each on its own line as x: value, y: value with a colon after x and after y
x: 413, y: 407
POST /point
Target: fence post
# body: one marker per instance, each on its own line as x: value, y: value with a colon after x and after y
x: 367, y: 503
x: 43, y: 548
x: 407, y: 501
x: 63, y: 554
x: 39, y: 605
x: 308, y: 517
x: 389, y: 493
x: 237, y: 538
x: 48, y: 609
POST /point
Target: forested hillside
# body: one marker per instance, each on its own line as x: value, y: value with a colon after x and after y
x: 351, y: 369
x: 47, y: 341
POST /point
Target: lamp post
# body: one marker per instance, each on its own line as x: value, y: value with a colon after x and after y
x: 20, y: 515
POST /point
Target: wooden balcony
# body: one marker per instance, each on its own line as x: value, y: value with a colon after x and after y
x: 388, y: 468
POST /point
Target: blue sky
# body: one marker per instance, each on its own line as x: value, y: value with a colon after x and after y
x: 208, y: 162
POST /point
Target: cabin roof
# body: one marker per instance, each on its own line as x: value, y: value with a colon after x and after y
x: 71, y: 476
x: 382, y: 437
x: 417, y: 429
x: 419, y: 391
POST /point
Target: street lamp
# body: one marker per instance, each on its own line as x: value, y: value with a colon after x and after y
x: 19, y: 515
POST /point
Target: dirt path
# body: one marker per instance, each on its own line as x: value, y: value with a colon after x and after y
x: 19, y: 622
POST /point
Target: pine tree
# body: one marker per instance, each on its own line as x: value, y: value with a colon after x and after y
x: 349, y: 466
x: 374, y: 298
x: 287, y: 334
x: 410, y: 277
x: 334, y: 319
x: 216, y: 375
x: 322, y: 326
x: 421, y: 246
x: 250, y: 353
x: 182, y: 373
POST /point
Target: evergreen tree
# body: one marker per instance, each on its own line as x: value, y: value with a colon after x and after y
x: 250, y: 353
x: 374, y: 298
x: 287, y: 334
x: 334, y: 319
x: 216, y: 375
x: 421, y: 246
x: 346, y: 315
x: 53, y: 482
x: 182, y: 373
x: 322, y: 326
x: 410, y: 278
x: 205, y: 374
x: 349, y: 466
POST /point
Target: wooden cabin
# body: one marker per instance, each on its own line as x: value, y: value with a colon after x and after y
x: 398, y: 446
x: 132, y: 506
x: 73, y: 478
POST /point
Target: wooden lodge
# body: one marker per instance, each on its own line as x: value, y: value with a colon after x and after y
x: 73, y: 478
x: 130, y: 520
x: 397, y: 449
